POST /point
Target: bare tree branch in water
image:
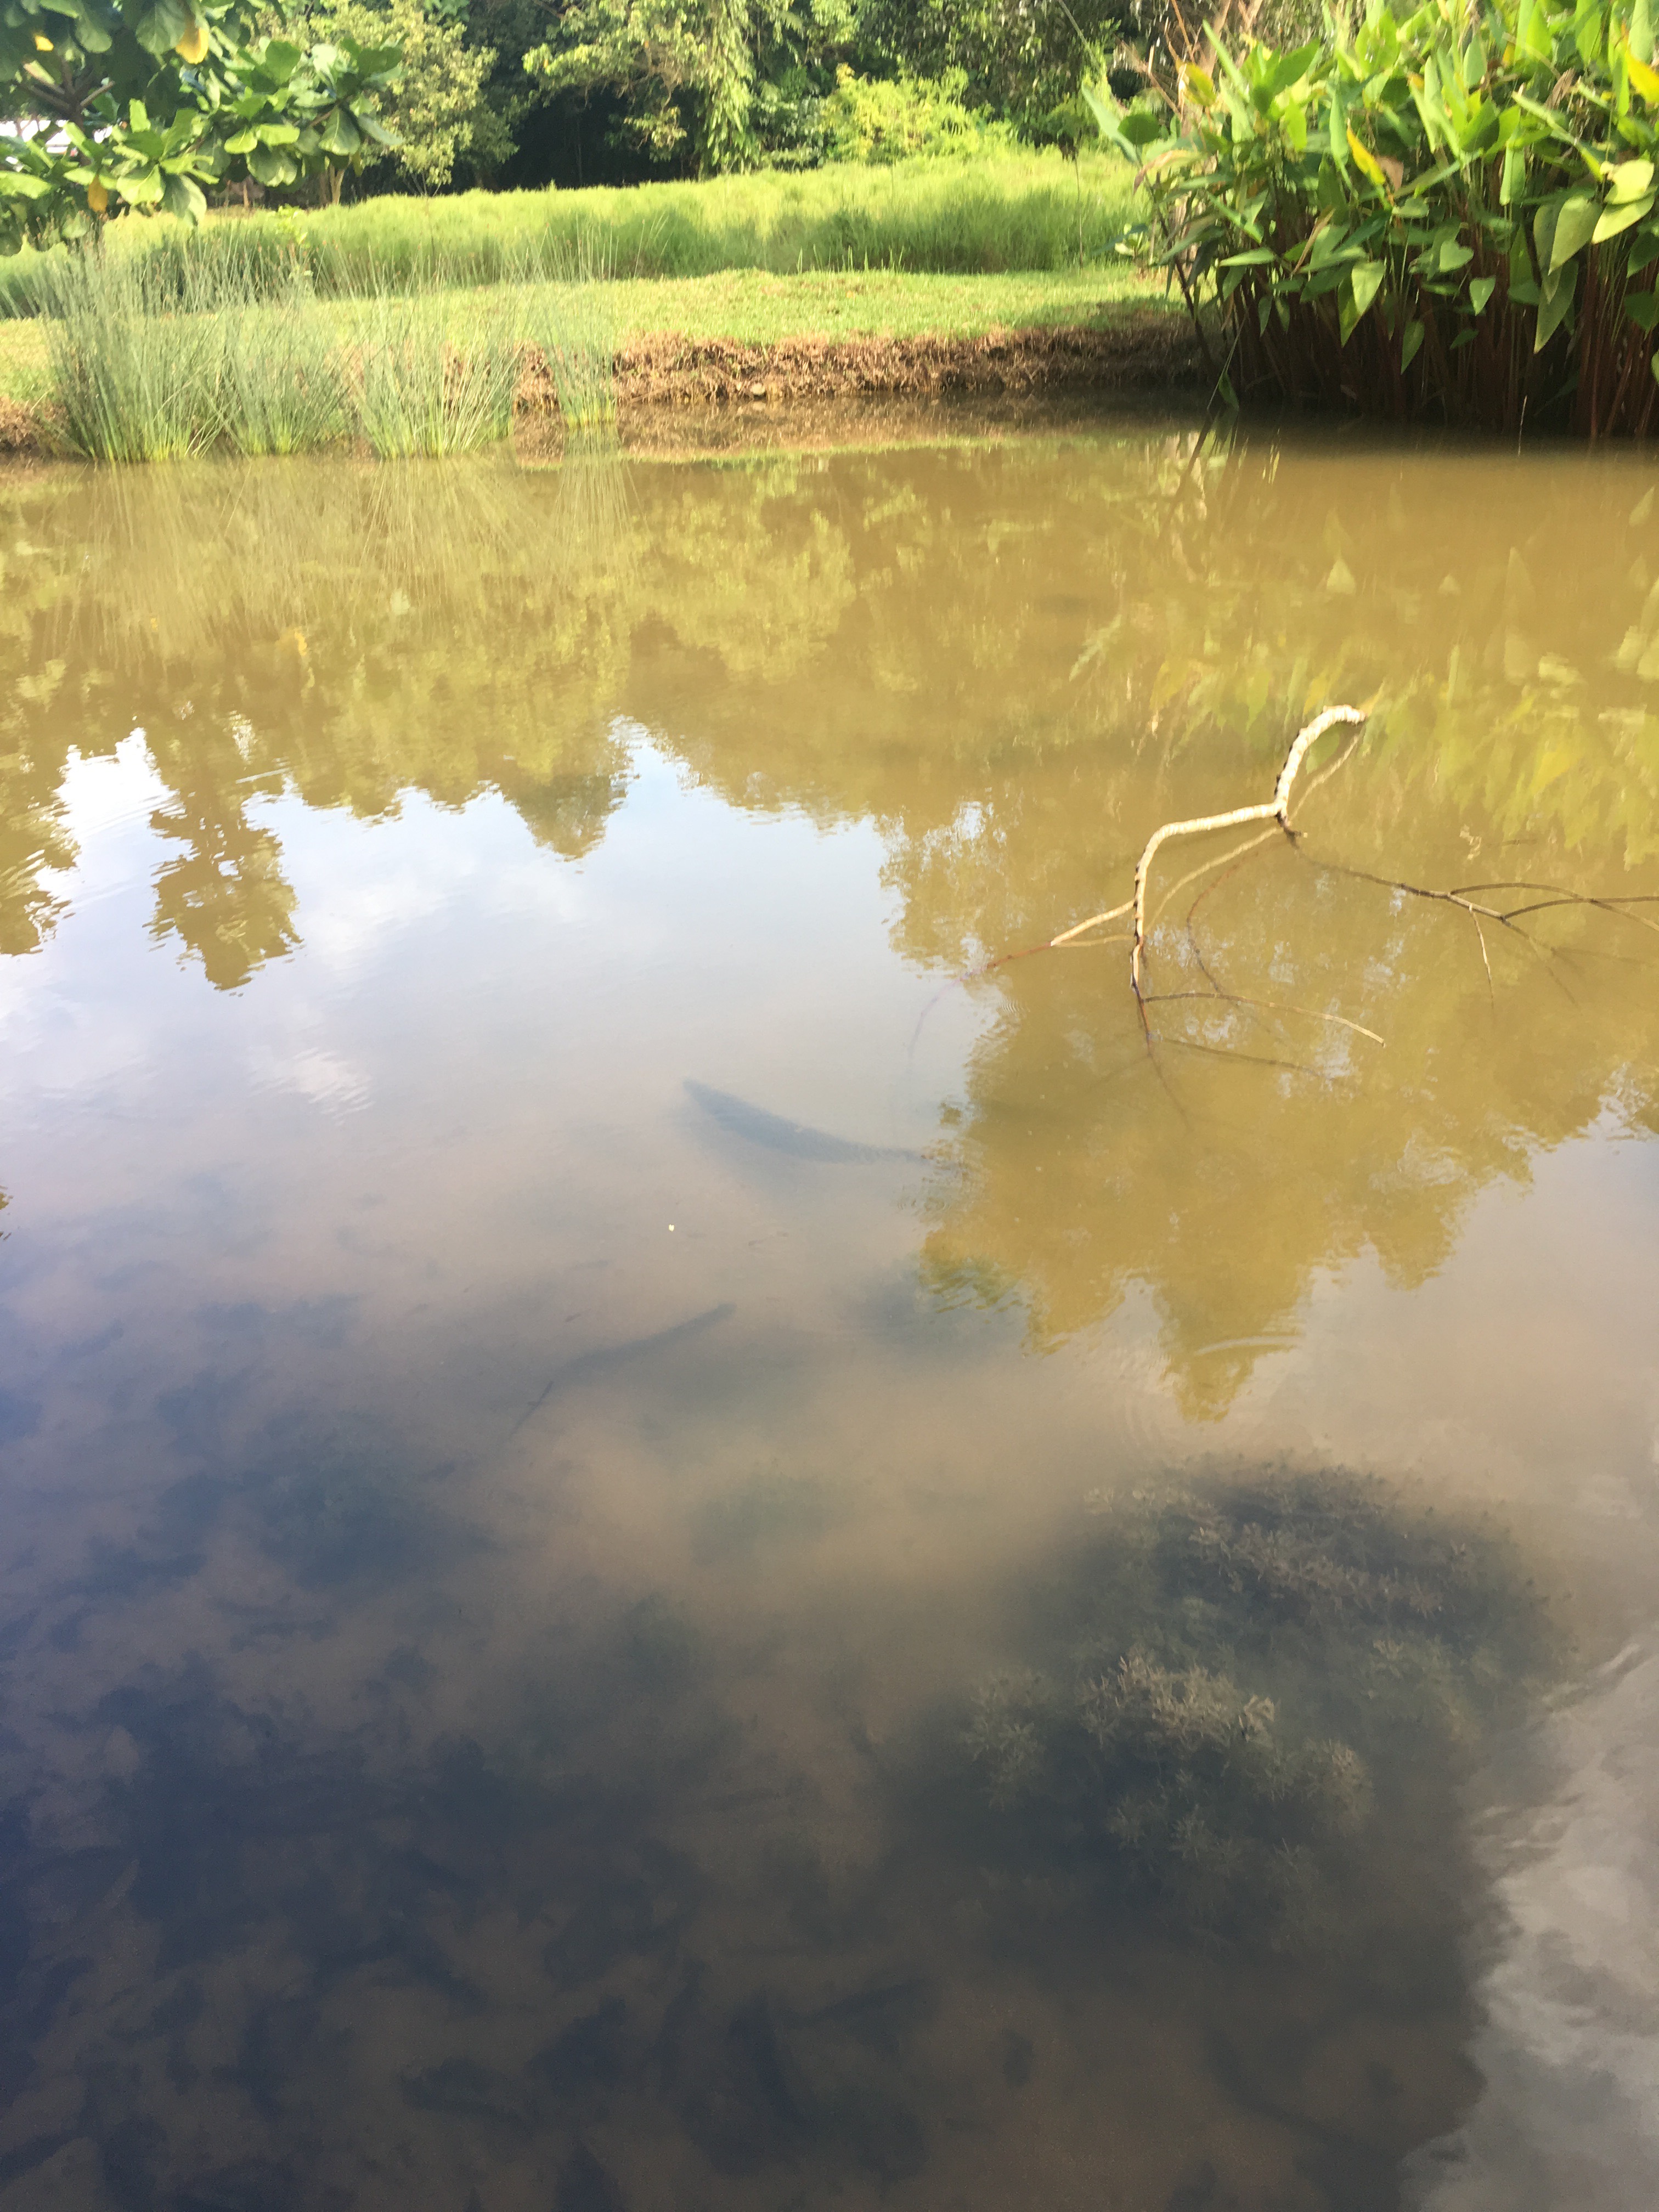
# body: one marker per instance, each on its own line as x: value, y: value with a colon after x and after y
x: 1462, y: 896
x: 1276, y: 809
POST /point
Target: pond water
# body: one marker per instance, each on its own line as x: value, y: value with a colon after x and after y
x: 673, y: 1538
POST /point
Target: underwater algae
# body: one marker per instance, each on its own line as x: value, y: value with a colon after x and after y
x: 1245, y: 1679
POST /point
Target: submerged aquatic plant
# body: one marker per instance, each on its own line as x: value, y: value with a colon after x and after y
x: 1245, y: 1660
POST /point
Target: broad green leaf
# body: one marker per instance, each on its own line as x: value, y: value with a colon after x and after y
x: 1555, y: 306
x: 1615, y: 219
x: 1643, y: 308
x: 1367, y: 282
x: 1641, y: 31
x: 140, y: 187
x: 1574, y: 227
x: 182, y: 197
x: 1481, y: 290
x: 341, y: 137
x: 160, y: 28
x: 1411, y: 338
x: 1455, y: 255
x: 271, y: 165
x: 1629, y: 180
x: 1532, y: 31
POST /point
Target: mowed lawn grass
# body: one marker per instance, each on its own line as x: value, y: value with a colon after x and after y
x: 753, y: 307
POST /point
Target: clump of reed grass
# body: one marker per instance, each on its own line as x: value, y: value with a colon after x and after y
x: 134, y: 379
x: 149, y: 365
x: 281, y: 386
x: 567, y: 315
x: 418, y: 391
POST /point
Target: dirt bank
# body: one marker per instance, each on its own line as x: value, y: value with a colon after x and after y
x: 1148, y: 349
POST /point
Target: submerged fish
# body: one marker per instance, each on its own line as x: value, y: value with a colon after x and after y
x: 586, y: 1365
x: 739, y: 1119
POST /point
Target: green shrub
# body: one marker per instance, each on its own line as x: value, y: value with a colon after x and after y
x: 1450, y: 215
x: 873, y: 119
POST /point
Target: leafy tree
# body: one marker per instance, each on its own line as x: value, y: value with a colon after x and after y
x: 1022, y: 58
x: 709, y: 82
x: 433, y: 107
x: 147, y: 102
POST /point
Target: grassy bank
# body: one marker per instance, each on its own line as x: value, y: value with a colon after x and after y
x: 1031, y: 212
x: 745, y: 306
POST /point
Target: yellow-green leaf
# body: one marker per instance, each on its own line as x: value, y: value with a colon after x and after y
x: 1615, y: 219
x: 1365, y: 160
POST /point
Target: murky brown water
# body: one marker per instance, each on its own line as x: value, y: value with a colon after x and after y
x: 567, y: 1359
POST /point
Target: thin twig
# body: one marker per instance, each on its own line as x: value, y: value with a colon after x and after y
x: 1480, y: 933
x: 1227, y: 1052
x: 1222, y: 998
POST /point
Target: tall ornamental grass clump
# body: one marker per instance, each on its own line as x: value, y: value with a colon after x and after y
x: 134, y: 378
x: 417, y: 392
x: 568, y: 314
x: 1449, y: 215
x: 143, y: 367
x: 280, y: 385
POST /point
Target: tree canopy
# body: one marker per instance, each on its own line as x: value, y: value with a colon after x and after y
x: 158, y: 103
x: 147, y: 103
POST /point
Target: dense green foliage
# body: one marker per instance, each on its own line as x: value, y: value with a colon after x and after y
x: 613, y: 91
x: 1013, y: 212
x: 147, y: 102
x: 1025, y: 62
x: 432, y: 106
x: 1451, y: 214
x: 291, y: 98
